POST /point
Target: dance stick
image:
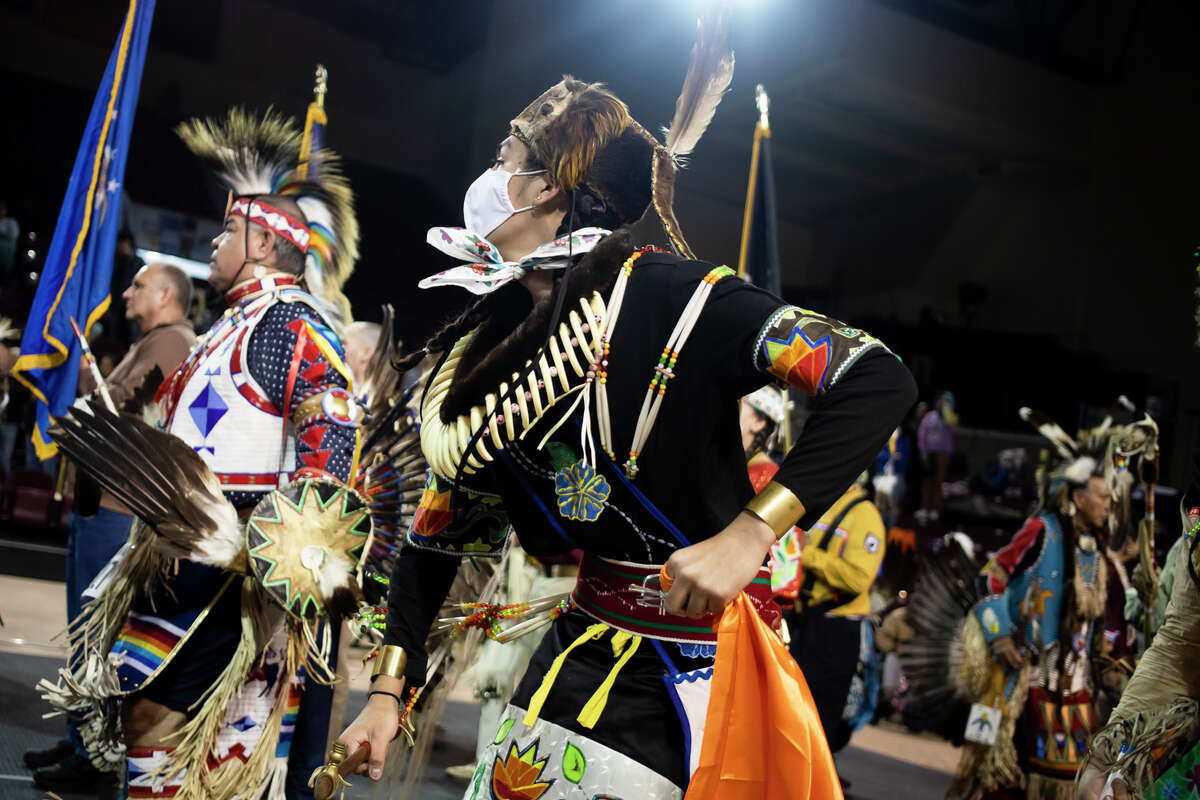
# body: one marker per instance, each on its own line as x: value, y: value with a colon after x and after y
x: 327, y: 779
x: 90, y: 361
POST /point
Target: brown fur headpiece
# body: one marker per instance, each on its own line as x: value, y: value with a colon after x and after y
x: 584, y: 136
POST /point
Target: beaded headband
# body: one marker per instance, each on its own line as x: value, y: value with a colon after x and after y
x: 272, y: 218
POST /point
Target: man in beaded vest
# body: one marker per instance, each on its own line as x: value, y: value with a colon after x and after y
x: 202, y: 683
x: 537, y: 419
x: 1052, y: 623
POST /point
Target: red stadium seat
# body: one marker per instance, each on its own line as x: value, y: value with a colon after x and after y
x: 30, y: 493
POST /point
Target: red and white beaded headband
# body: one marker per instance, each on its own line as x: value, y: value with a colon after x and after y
x: 271, y: 217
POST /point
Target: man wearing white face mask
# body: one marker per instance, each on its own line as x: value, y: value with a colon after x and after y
x: 537, y: 418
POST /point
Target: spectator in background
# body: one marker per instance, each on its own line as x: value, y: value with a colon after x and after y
x: 9, y: 428
x: 126, y: 263
x: 889, y: 480
x: 760, y: 415
x: 10, y: 232
x: 155, y: 301
x: 200, y: 314
x: 935, y: 440
x: 841, y: 556
x: 360, y: 340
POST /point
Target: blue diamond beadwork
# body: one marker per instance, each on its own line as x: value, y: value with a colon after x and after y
x: 207, y: 409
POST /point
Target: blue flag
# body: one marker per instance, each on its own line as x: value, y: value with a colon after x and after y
x: 75, y: 278
x: 314, y: 139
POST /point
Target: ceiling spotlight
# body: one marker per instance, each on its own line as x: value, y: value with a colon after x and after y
x: 31, y: 254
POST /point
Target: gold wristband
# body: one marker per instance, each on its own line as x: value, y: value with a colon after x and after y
x: 778, y: 507
x: 342, y: 406
x: 307, y: 408
x: 391, y: 662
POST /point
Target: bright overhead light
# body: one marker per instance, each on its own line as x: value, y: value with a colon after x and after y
x: 193, y: 269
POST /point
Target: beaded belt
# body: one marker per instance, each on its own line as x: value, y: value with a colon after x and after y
x: 627, y: 596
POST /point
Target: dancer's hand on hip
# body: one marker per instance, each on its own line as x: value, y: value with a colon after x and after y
x: 376, y: 724
x: 707, y: 575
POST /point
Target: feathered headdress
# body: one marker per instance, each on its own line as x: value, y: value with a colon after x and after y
x: 584, y: 135
x: 1107, y: 450
x: 257, y: 158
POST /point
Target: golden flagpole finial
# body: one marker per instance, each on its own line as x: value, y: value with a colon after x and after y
x: 322, y: 85
x: 764, y: 105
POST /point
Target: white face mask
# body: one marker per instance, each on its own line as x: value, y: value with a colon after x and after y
x: 487, y: 205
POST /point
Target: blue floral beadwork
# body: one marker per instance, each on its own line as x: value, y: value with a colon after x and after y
x: 581, y: 492
x: 696, y: 650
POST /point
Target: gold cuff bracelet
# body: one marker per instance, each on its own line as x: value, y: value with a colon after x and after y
x: 778, y: 507
x: 391, y: 661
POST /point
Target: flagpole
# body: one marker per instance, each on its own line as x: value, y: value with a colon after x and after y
x: 314, y: 117
x: 761, y: 129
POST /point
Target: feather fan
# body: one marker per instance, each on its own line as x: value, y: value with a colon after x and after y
x: 159, y: 478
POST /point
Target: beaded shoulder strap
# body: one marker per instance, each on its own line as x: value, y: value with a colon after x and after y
x: 580, y: 354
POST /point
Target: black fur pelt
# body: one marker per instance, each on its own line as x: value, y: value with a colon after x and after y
x: 515, y: 328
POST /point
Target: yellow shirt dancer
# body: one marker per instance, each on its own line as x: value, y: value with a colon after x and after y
x: 841, y: 557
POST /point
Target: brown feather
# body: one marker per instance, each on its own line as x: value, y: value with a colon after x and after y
x: 710, y: 71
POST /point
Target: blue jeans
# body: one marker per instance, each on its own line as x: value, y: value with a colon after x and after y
x: 91, y: 542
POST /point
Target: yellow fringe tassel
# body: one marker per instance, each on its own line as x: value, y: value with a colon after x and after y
x: 590, y: 714
x: 539, y: 697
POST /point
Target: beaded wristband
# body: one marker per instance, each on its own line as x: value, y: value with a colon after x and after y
x: 778, y: 507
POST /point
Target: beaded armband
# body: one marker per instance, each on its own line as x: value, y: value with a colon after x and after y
x: 335, y: 405
x: 778, y: 507
x: 391, y: 662
x: 809, y: 350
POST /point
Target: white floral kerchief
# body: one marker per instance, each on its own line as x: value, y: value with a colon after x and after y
x: 485, y: 271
